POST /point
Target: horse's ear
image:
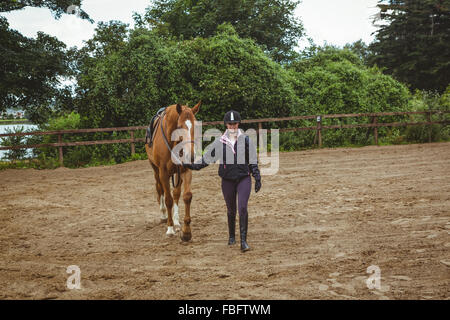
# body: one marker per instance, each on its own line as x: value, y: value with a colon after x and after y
x: 196, y: 107
x: 179, y: 108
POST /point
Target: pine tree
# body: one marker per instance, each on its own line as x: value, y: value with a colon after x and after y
x: 414, y: 44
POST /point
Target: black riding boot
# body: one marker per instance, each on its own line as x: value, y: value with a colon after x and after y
x: 243, y: 224
x: 231, y: 229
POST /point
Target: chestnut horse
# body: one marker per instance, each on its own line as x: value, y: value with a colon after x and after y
x: 161, y: 155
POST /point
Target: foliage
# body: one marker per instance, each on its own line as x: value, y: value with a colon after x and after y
x: 82, y: 156
x: 361, y: 49
x: 271, y: 23
x: 32, y: 69
x: 127, y: 85
x: 414, y: 44
x: 424, y: 101
x: 57, y: 7
x: 336, y: 81
x: 11, y: 141
x: 227, y: 72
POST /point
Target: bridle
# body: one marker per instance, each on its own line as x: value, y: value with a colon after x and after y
x: 173, y: 154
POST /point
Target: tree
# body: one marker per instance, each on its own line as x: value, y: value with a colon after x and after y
x: 32, y: 69
x: 12, y: 141
x: 361, y: 49
x: 127, y: 85
x: 271, y: 23
x: 414, y: 44
x: 58, y: 7
x: 335, y: 81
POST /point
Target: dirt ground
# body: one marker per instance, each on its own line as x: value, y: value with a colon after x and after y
x: 314, y: 229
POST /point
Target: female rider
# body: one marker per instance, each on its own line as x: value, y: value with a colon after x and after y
x: 237, y: 156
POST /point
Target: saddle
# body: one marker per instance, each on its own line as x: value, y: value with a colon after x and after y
x: 151, y: 128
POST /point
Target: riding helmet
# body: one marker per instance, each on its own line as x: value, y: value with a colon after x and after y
x: 232, y: 117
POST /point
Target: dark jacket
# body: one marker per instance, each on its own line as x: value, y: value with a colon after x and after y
x: 232, y: 165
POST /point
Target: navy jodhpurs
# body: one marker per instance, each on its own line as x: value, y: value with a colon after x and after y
x: 241, y: 189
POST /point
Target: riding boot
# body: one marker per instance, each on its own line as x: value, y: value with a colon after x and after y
x: 243, y: 224
x: 231, y: 228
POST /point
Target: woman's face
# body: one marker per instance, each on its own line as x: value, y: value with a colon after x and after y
x: 232, y: 127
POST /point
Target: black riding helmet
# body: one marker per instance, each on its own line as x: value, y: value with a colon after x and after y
x: 232, y: 117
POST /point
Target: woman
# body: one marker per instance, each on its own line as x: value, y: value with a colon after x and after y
x: 237, y: 156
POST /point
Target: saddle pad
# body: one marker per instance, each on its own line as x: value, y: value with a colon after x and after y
x: 151, y: 127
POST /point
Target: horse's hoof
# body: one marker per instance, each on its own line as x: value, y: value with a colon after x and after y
x: 170, y: 232
x: 177, y: 227
x: 186, y: 236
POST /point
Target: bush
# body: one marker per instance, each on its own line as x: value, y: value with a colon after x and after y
x: 424, y: 101
x: 127, y: 86
x: 335, y: 81
x: 82, y: 156
x: 15, y: 154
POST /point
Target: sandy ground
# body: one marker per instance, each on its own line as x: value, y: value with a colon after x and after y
x: 314, y: 229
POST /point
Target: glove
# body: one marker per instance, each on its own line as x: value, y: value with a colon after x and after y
x: 255, y: 173
x: 188, y: 165
x: 257, y: 185
x: 195, y: 166
x: 191, y: 166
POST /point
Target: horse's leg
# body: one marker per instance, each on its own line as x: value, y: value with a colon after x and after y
x: 187, y: 198
x: 176, y: 198
x: 159, y: 188
x: 160, y: 194
x: 164, y: 178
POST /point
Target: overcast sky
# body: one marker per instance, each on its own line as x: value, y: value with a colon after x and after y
x: 335, y: 21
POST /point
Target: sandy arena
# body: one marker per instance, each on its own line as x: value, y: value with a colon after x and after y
x: 314, y: 229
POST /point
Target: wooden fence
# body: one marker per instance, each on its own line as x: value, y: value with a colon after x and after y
x: 318, y: 139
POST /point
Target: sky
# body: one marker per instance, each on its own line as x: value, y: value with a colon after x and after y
x: 335, y: 22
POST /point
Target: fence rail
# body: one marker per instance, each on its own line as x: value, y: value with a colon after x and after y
x: 319, y: 127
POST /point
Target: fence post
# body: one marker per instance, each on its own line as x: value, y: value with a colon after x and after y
x: 259, y: 131
x: 429, y: 127
x: 319, y: 130
x: 375, y: 129
x: 61, y: 158
x: 133, y: 149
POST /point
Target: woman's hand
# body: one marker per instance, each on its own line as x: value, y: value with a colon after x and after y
x: 192, y: 166
x: 188, y: 166
x: 257, y: 185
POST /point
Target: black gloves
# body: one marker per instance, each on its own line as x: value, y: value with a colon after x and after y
x: 257, y: 185
x: 191, y: 166
x: 188, y: 165
x: 255, y: 173
x: 195, y: 166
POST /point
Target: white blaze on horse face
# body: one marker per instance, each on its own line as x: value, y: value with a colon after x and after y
x: 189, y: 125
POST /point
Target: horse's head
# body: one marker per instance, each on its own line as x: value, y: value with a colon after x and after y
x: 186, y: 121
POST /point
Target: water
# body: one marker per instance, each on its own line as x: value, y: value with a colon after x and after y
x: 27, y: 127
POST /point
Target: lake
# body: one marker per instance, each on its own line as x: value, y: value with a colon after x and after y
x: 4, y: 128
